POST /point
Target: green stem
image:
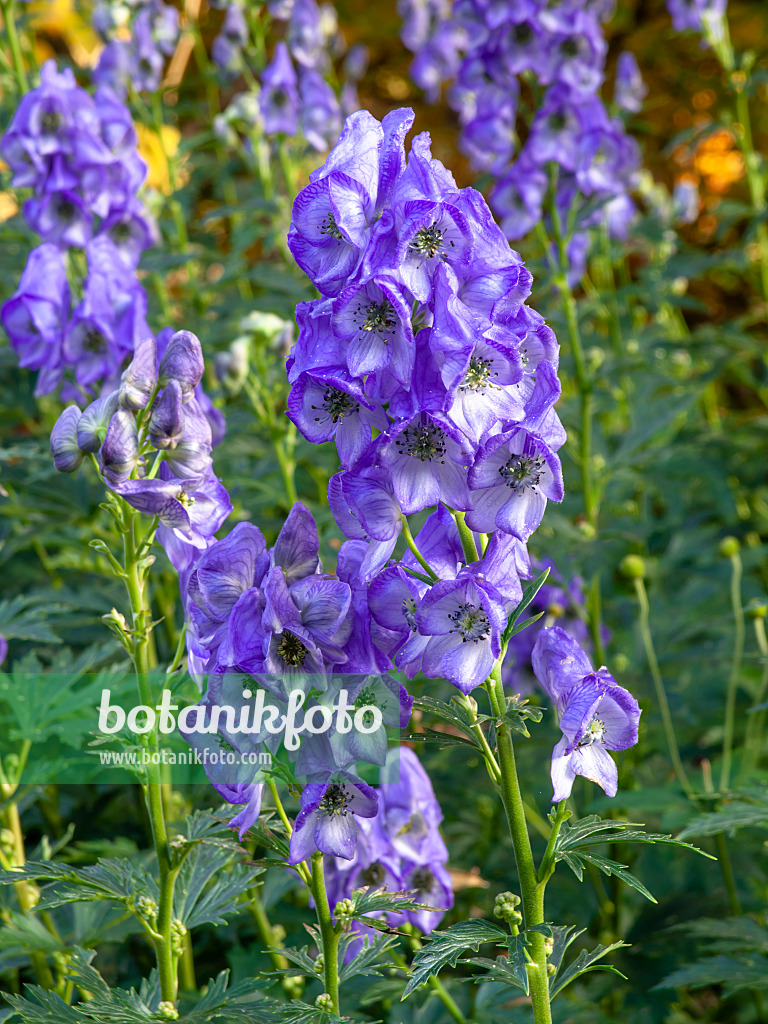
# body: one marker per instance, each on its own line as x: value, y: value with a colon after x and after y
x: 408, y: 538
x: 328, y: 932
x: 467, y: 538
x: 135, y: 585
x: 590, y: 491
x: 9, y: 22
x: 532, y: 893
x: 661, y: 695
x: 266, y: 933
x: 547, y: 866
x: 733, y: 679
x: 756, y: 722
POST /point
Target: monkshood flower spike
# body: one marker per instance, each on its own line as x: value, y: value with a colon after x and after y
x: 596, y: 714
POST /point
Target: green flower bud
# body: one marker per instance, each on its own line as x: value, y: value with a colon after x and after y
x: 146, y: 907
x: 757, y: 609
x: 729, y: 547
x: 167, y: 1011
x: 469, y: 704
x: 324, y: 1002
x: 343, y: 912
x: 505, y: 909
x: 633, y: 566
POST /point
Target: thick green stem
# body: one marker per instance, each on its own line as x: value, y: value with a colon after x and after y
x: 531, y: 892
x: 735, y: 674
x: 661, y: 695
x: 8, y: 8
x: 135, y: 585
x: 328, y: 932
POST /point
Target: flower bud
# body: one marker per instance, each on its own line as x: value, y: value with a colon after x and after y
x: 633, y: 566
x: 324, y: 1002
x: 729, y: 547
x: 192, y: 454
x: 139, y: 379
x: 757, y: 609
x: 505, y: 908
x: 167, y: 1011
x: 232, y: 366
x: 93, y: 425
x: 120, y: 451
x: 182, y: 361
x: 469, y: 704
x: 166, y: 424
x: 67, y: 457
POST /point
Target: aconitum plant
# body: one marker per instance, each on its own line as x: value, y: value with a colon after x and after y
x: 300, y: 94
x: 567, y: 159
x: 79, y: 309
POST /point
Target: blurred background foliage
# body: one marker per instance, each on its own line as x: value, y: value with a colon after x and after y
x: 678, y: 343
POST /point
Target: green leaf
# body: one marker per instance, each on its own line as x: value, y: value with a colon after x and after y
x: 577, y: 860
x: 528, y: 595
x: 444, y: 948
x: 585, y: 962
x: 368, y: 962
x: 734, y: 815
x: 734, y: 973
x: 508, y: 970
x: 368, y: 901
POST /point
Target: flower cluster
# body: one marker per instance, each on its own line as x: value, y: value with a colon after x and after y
x: 696, y: 15
x: 152, y: 437
x: 270, y: 620
x: 596, y: 714
x: 78, y: 154
x: 136, y: 62
x: 295, y: 95
x: 573, y: 152
x: 401, y: 848
x: 423, y: 336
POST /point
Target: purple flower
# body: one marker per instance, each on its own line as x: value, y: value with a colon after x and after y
x: 693, y: 14
x: 596, y: 714
x: 3, y: 649
x: 94, y: 423
x: 327, y: 819
x: 35, y: 316
x: 320, y: 111
x: 119, y: 454
x: 329, y: 403
x: 60, y: 217
x: 629, y: 89
x: 166, y: 423
x: 374, y: 318
x: 426, y: 458
x: 464, y: 618
x: 67, y: 457
x: 513, y: 475
x: 306, y: 38
x: 139, y: 379
x: 279, y: 96
x: 182, y: 361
